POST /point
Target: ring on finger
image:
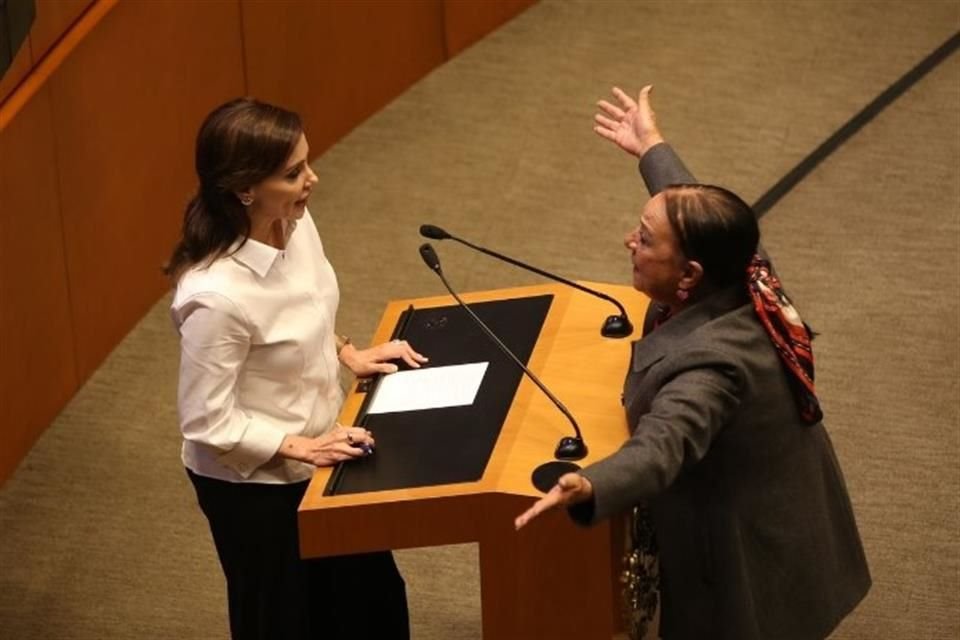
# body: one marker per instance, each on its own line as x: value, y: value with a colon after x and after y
x: 350, y: 438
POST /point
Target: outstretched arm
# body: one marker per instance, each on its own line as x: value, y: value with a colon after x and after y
x: 632, y: 126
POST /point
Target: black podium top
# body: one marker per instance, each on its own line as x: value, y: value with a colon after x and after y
x: 450, y: 444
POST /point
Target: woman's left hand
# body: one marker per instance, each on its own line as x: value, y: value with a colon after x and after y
x: 571, y: 488
x: 366, y: 362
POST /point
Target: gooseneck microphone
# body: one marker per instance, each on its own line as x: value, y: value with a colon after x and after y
x: 569, y: 448
x: 617, y: 326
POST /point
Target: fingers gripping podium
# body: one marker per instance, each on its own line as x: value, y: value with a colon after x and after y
x: 461, y: 475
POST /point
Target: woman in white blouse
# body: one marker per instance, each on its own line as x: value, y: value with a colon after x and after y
x: 259, y: 392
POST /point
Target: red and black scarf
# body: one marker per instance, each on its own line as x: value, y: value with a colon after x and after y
x: 789, y: 334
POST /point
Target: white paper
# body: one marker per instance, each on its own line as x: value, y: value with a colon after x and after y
x: 432, y: 388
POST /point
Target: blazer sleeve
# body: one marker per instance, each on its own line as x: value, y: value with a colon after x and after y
x: 660, y: 167
x: 687, y: 413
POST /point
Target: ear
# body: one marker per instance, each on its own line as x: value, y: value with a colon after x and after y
x: 692, y: 275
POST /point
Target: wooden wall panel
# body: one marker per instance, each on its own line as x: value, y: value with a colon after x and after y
x: 18, y: 70
x: 338, y: 62
x: 54, y: 18
x: 37, y: 369
x: 126, y: 107
x: 466, y: 21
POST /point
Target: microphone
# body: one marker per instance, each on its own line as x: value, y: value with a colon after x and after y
x: 617, y: 326
x: 569, y: 448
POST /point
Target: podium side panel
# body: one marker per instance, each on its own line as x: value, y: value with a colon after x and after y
x: 552, y: 579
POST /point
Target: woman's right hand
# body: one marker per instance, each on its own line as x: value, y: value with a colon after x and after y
x: 632, y: 126
x: 339, y: 444
x: 571, y: 488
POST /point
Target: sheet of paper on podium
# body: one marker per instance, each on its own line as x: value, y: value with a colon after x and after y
x: 433, y: 388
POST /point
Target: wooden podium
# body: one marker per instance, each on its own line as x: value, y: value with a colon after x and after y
x: 553, y: 579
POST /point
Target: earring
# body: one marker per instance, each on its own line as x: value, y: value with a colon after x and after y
x: 682, y: 295
x: 246, y: 200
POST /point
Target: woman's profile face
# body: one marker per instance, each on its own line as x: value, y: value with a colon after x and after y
x: 284, y: 195
x: 658, y: 261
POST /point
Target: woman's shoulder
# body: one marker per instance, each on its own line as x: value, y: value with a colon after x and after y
x: 735, y: 343
x: 736, y: 332
x: 729, y: 341
x: 214, y: 308
x: 213, y: 283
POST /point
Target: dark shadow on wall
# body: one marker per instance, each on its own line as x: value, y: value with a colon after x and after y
x: 16, y: 17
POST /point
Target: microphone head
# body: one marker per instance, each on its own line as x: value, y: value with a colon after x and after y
x: 430, y: 256
x: 432, y: 232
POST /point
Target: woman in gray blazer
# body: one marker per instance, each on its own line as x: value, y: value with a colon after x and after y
x: 757, y: 538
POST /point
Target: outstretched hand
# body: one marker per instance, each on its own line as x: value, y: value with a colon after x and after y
x: 632, y: 126
x: 366, y: 362
x: 571, y: 488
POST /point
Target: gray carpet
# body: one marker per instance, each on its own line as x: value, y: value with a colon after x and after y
x: 100, y: 536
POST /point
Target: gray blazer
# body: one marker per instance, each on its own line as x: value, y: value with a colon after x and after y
x: 756, y: 532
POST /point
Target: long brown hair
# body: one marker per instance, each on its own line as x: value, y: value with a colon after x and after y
x: 240, y: 144
x: 716, y: 228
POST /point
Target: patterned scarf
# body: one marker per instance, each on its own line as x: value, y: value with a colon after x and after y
x: 789, y: 334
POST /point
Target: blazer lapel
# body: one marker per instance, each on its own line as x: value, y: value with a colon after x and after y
x: 657, y: 344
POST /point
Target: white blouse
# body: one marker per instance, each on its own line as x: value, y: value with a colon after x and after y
x: 258, y: 357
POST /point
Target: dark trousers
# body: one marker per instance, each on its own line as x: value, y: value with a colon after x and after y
x: 274, y: 595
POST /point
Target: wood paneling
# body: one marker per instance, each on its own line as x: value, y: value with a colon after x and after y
x: 466, y: 21
x: 338, y: 62
x: 127, y: 104
x: 54, y: 18
x: 44, y: 68
x: 37, y: 376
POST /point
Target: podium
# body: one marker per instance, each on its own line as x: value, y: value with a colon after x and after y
x: 552, y: 579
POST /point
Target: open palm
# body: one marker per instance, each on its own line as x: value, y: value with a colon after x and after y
x: 632, y: 125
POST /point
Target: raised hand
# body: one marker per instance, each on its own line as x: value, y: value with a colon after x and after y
x: 571, y: 488
x: 632, y: 125
x: 366, y: 362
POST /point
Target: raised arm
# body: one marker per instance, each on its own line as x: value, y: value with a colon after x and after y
x: 632, y: 126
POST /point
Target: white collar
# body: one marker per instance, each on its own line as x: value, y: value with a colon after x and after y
x: 256, y: 255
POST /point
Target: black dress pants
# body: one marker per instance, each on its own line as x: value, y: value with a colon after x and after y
x: 274, y: 595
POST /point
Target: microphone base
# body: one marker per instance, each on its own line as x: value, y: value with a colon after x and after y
x: 571, y: 448
x: 616, y: 327
x: 546, y: 475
